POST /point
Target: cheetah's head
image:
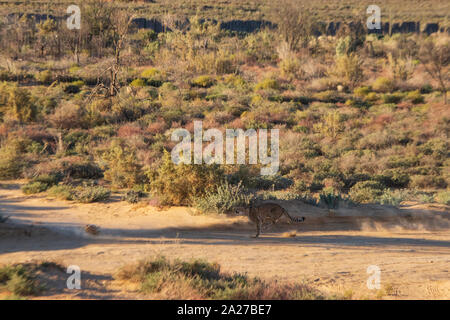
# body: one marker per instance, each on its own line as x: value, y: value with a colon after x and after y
x: 241, y: 211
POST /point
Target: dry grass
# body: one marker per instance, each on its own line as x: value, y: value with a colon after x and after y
x: 164, y: 279
x: 23, y: 280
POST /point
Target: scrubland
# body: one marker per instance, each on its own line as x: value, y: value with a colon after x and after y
x: 87, y: 115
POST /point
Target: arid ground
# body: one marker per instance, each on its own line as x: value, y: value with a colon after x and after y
x: 330, y: 251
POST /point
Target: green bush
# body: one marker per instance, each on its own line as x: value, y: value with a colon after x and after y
x: 62, y: 192
x: 45, y: 77
x: 11, y: 162
x: 348, y: 68
x: 267, y: 84
x: 361, y: 92
x: 372, y: 97
x: 415, y: 97
x: 20, y: 104
x: 18, y: 280
x: 203, y: 81
x: 138, y: 83
x: 123, y: 169
x: 392, y: 98
x: 78, y: 83
x: 393, y: 198
x: 150, y: 73
x: 34, y: 187
x: 383, y: 85
x: 366, y: 192
x: 88, y: 194
x: 152, y: 77
x: 132, y: 196
x: 181, y: 184
x: 426, y: 88
x: 332, y: 200
x: 443, y: 197
x: 224, y: 199
x: 40, y: 184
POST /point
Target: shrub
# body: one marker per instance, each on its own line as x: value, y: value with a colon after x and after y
x: 372, y: 97
x: 40, y: 184
x: 382, y: 84
x: 361, y: 91
x: 45, y: 77
x: 332, y: 200
x: 330, y: 96
x: 19, y: 105
x: 11, y: 162
x: 443, y: 197
x: 180, y: 184
x: 132, y: 196
x: 78, y: 83
x: 61, y: 192
x: 235, y: 81
x: 426, y: 88
x: 224, y: 64
x: 224, y: 199
x: 150, y: 73
x: 88, y: 194
x: 393, y: 198
x: 19, y: 280
x: 349, y: 69
x: 34, y: 187
x: 427, y: 182
x: 71, y: 89
x: 67, y: 116
x: 138, y: 83
x: 203, y: 81
x: 267, y: 84
x: 83, y: 170
x: 122, y: 170
x: 290, y: 67
x: 152, y: 77
x: 199, y: 279
x: 392, y: 98
x: 343, y: 46
x: 366, y: 191
x: 415, y: 97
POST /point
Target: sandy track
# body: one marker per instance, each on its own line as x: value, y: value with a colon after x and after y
x: 331, y: 251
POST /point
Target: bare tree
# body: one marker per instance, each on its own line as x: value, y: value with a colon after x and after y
x: 295, y: 24
x: 436, y: 58
x: 121, y: 22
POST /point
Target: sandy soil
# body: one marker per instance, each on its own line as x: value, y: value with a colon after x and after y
x: 331, y: 250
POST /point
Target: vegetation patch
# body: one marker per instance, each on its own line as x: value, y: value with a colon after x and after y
x: 198, y: 279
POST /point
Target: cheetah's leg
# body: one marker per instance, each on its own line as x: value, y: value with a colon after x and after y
x: 267, y: 224
x: 258, y: 229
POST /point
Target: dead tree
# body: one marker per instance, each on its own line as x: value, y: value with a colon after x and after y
x: 435, y: 58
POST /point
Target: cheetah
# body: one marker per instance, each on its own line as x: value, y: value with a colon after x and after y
x: 92, y: 229
x: 265, y: 215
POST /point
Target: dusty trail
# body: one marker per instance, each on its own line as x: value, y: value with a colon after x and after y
x: 331, y: 250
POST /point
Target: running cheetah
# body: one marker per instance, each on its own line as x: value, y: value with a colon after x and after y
x: 265, y: 215
x: 92, y: 229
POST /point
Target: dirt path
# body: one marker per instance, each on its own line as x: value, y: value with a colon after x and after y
x: 331, y: 250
